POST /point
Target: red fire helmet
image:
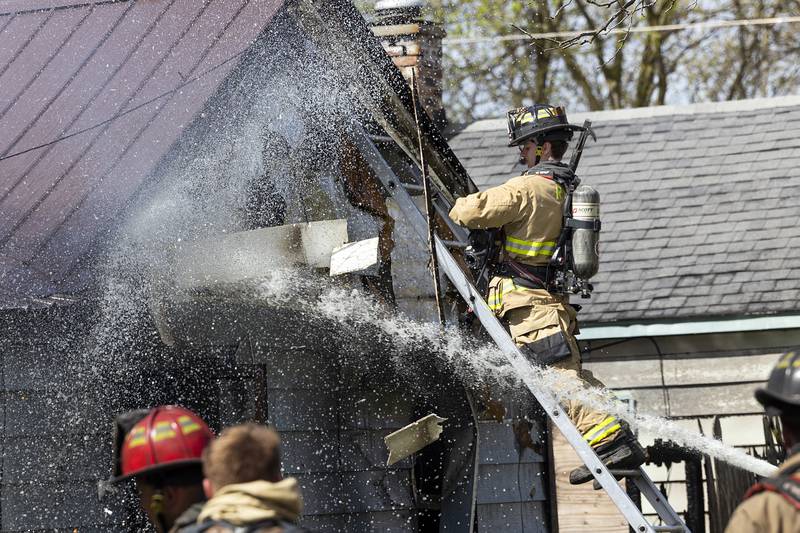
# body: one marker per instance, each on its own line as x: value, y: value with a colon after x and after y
x: 166, y: 437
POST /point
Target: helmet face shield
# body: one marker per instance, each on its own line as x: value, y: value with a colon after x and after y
x: 539, y: 121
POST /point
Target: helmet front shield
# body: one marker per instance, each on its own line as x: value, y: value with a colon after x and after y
x: 541, y: 122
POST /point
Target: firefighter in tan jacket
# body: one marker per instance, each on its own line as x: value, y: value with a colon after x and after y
x: 529, y: 209
x: 773, y: 505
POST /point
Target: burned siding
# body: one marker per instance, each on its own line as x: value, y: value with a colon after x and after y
x: 332, y: 423
x: 61, y: 390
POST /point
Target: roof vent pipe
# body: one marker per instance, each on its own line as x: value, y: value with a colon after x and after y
x: 413, y: 40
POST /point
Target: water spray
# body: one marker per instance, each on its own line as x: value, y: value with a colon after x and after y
x: 477, y: 363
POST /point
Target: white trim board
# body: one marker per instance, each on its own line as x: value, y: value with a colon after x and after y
x: 690, y: 328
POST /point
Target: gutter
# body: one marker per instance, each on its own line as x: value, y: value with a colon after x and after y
x: 695, y: 327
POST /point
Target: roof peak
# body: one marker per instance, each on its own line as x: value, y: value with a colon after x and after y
x: 612, y: 115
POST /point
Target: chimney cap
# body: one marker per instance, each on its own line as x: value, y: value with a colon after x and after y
x: 398, y: 4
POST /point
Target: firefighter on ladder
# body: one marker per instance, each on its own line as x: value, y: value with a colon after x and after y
x: 773, y: 505
x: 162, y: 450
x: 528, y: 209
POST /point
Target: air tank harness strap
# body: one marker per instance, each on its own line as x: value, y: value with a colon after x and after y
x: 527, y: 276
x: 574, y: 223
x: 787, y: 484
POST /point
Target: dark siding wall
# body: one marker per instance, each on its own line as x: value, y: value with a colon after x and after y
x: 58, y: 412
x: 512, y: 480
x: 332, y: 421
x: 59, y: 401
x: 55, y: 434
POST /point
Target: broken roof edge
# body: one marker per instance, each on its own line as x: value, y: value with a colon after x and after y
x: 383, y: 90
x: 16, y: 7
x: 616, y: 115
x: 690, y: 327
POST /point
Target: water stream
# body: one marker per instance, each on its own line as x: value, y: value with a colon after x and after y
x: 477, y: 363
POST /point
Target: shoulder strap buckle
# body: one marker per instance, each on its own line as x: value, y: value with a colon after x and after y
x: 574, y: 223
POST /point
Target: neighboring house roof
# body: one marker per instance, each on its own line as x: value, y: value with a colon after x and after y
x: 115, y: 83
x: 698, y: 204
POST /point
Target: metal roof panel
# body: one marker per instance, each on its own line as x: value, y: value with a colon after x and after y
x: 25, y: 68
x: 58, y: 73
x: 98, y: 93
x: 107, y: 198
x: 16, y: 35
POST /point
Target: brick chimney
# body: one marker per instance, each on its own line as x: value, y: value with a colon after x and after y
x: 412, y: 40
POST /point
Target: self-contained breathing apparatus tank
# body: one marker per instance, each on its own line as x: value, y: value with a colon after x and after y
x: 577, y: 255
x: 585, y: 241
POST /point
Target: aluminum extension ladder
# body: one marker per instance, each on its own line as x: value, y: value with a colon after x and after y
x: 399, y: 191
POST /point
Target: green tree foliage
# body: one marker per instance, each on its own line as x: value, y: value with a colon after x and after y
x: 748, y: 61
x: 489, y: 68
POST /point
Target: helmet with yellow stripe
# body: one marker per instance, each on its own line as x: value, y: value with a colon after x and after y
x: 162, y: 438
x: 539, y: 122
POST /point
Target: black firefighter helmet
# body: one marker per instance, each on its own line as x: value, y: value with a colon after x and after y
x: 781, y: 396
x: 540, y: 122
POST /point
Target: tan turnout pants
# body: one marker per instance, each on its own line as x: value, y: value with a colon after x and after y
x: 532, y: 315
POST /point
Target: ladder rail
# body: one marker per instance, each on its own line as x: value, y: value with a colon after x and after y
x: 442, y: 208
x: 547, y: 400
x: 657, y: 500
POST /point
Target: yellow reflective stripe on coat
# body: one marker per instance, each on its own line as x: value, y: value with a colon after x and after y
x: 602, y: 430
x: 529, y: 248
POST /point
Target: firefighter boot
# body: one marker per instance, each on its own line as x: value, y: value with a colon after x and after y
x: 623, y: 453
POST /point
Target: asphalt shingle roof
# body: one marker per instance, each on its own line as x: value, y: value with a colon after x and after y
x: 699, y: 206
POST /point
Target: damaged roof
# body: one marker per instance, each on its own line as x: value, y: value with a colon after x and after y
x: 698, y: 205
x: 94, y: 95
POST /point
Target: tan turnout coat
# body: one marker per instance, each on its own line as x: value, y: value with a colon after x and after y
x: 767, y: 512
x: 529, y: 208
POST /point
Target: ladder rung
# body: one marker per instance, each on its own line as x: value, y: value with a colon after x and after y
x: 413, y: 188
x: 620, y: 474
x: 667, y: 529
x: 455, y: 244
